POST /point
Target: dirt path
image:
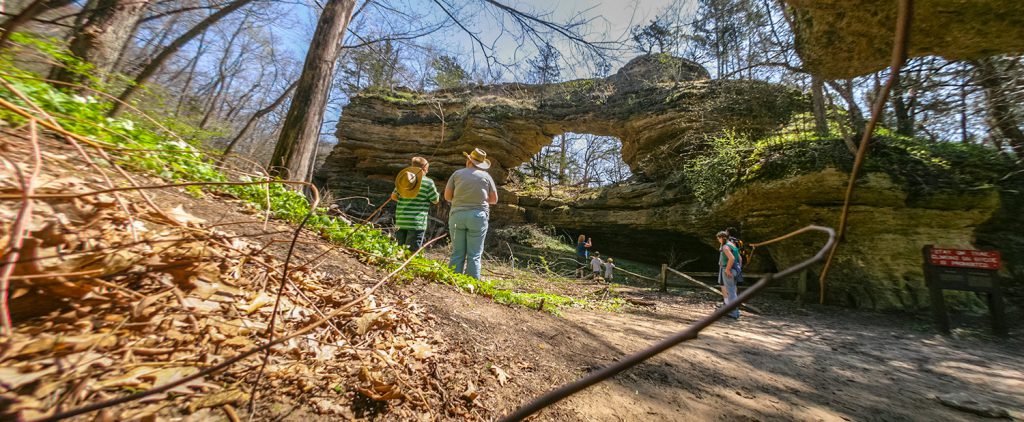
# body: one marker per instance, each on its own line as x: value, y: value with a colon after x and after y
x: 819, y: 364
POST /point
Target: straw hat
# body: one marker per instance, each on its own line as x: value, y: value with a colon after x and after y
x: 479, y: 158
x: 408, y: 181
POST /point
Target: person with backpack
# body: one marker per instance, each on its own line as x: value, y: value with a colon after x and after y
x: 729, y: 268
x: 414, y: 192
x: 744, y: 250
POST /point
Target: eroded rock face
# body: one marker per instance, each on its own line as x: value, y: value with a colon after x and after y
x: 877, y: 267
x: 657, y: 105
x: 660, y: 118
x: 845, y: 38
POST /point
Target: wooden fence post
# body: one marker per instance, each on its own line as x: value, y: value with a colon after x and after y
x: 664, y: 277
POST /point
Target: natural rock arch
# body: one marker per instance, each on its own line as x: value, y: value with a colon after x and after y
x: 663, y: 109
x: 658, y: 105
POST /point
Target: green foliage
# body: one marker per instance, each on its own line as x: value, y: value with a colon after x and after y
x: 921, y: 165
x: 177, y: 160
x: 448, y: 73
x: 711, y: 174
x: 533, y: 236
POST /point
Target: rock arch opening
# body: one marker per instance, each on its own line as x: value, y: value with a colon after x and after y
x: 658, y: 108
x: 574, y: 162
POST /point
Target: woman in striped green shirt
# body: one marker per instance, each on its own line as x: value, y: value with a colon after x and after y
x: 414, y: 192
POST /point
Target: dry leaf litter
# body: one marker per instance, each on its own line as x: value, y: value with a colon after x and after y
x: 110, y: 300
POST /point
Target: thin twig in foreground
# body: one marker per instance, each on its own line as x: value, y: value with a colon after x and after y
x: 17, y: 231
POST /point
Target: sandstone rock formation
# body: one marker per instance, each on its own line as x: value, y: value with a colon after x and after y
x: 662, y: 109
x: 845, y: 38
x: 878, y: 267
x: 659, y: 106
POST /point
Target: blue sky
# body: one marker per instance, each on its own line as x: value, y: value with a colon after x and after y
x: 609, y: 20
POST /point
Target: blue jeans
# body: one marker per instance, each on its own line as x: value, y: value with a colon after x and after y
x: 730, y: 289
x: 467, y: 229
x: 411, y: 238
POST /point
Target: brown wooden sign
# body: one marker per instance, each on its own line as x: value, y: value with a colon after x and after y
x: 964, y: 258
x: 965, y: 270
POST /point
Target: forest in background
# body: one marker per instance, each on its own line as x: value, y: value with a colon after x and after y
x: 234, y: 73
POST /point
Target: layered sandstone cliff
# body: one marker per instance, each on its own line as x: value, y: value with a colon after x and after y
x: 664, y: 110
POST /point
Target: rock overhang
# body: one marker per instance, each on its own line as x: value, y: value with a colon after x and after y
x: 838, y: 39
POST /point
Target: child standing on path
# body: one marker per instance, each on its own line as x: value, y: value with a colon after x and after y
x: 415, y: 192
x: 595, y: 264
x: 608, y: 267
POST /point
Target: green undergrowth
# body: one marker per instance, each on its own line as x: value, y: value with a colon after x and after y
x: 533, y: 236
x: 153, y: 148
x: 921, y: 165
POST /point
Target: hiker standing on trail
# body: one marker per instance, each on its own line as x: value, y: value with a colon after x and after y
x: 582, y: 244
x: 414, y: 192
x: 728, y: 258
x: 471, y: 191
x: 595, y: 264
x: 608, y: 267
x: 743, y: 256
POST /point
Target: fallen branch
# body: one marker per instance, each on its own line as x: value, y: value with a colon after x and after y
x: 18, y: 228
x: 639, y: 302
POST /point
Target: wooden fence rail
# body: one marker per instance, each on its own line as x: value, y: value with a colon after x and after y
x: 686, y: 277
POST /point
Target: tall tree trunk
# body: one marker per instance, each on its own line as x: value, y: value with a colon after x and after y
x: 150, y: 69
x: 818, y: 103
x: 102, y: 37
x: 33, y: 10
x: 901, y: 108
x: 999, y: 102
x: 301, y: 128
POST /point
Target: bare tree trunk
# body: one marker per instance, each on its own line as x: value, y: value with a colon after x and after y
x: 963, y: 113
x: 191, y: 74
x: 993, y: 78
x: 33, y: 10
x: 563, y: 162
x: 902, y: 105
x: 254, y: 118
x: 237, y: 105
x: 853, y: 110
x: 124, y: 65
x: 301, y: 128
x: 150, y: 69
x: 221, y: 82
x: 818, y: 102
x: 103, y: 35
